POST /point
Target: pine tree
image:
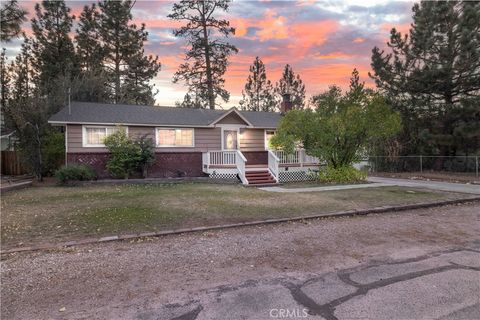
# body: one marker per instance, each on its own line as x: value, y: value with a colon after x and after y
x: 53, y: 51
x: 23, y: 74
x: 258, y: 94
x: 26, y: 111
x: 5, y: 80
x: 90, y: 52
x: 137, y: 87
x: 206, y: 59
x: 128, y: 69
x: 11, y: 16
x: 293, y: 85
x: 89, y: 84
x: 433, y: 78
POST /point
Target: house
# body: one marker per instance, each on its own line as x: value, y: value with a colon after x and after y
x: 222, y: 144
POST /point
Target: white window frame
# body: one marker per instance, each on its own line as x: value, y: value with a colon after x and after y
x: 97, y: 145
x: 265, y: 142
x: 173, y: 146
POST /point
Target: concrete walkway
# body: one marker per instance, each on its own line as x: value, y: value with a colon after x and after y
x: 388, y: 182
x: 433, y: 185
x: 327, y: 188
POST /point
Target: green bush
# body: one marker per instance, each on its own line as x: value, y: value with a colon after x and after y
x: 147, y: 154
x: 53, y: 152
x: 346, y: 174
x: 129, y: 156
x: 75, y: 172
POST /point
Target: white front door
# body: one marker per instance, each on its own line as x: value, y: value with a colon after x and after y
x: 230, y: 140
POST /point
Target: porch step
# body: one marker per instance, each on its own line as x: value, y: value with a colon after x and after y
x: 260, y: 178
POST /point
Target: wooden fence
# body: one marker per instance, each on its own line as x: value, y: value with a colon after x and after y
x: 12, y: 164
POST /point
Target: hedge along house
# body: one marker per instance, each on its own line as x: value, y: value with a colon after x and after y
x: 222, y: 144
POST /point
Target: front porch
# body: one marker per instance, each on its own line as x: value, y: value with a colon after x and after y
x: 270, y: 167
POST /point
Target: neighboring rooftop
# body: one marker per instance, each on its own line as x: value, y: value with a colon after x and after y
x: 104, y: 113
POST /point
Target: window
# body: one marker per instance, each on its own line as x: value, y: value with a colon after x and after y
x: 174, y: 137
x: 94, y: 136
x: 268, y: 136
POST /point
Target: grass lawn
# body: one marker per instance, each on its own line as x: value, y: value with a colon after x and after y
x: 49, y: 214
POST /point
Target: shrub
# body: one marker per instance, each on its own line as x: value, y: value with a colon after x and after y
x: 124, y: 155
x: 53, y: 152
x: 147, y: 154
x: 75, y: 172
x: 346, y: 174
x: 128, y: 156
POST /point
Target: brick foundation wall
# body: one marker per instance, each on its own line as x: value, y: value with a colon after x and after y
x: 256, y: 157
x: 97, y: 161
x: 167, y: 165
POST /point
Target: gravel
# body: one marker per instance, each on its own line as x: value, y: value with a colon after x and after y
x: 112, y: 280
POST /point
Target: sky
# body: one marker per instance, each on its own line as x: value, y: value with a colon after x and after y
x: 322, y: 40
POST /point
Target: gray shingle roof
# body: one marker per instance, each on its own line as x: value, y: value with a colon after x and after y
x: 103, y: 113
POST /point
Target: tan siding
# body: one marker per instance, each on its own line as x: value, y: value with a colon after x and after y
x: 252, y: 140
x: 137, y: 132
x: 232, y: 118
x: 205, y: 139
x: 74, y: 140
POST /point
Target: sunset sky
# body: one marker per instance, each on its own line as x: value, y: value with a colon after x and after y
x: 322, y: 40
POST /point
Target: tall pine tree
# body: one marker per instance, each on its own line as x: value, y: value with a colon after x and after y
x: 88, y: 43
x: 89, y: 84
x: 5, y: 80
x: 11, y: 17
x: 53, y: 52
x: 291, y: 84
x: 433, y: 78
x: 206, y: 59
x: 258, y: 94
x: 128, y: 69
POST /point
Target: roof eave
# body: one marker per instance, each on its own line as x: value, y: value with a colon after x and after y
x: 55, y: 122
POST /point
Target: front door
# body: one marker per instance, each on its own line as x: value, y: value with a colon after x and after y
x: 230, y: 140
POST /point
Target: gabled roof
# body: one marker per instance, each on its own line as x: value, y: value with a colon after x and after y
x: 104, y: 113
x: 232, y: 111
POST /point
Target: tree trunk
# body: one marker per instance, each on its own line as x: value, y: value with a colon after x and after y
x: 211, y: 97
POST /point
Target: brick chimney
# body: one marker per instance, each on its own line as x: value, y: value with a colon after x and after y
x: 286, y: 104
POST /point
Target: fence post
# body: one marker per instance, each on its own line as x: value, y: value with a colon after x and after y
x: 421, y: 164
x: 476, y: 166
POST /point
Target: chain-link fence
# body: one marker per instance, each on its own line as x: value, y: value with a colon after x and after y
x: 420, y: 163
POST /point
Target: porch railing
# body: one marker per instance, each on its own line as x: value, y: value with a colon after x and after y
x: 299, y: 156
x: 273, y: 163
x: 221, y: 157
x: 241, y: 163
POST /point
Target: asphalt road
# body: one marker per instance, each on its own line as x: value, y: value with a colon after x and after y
x: 422, y: 264
x: 441, y: 285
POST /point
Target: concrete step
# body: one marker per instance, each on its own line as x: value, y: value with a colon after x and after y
x: 259, y: 185
x: 261, y: 181
x: 263, y: 174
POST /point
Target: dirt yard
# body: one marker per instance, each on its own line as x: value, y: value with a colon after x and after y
x: 145, y: 279
x: 51, y: 214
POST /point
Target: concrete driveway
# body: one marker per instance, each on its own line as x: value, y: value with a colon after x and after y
x: 433, y: 185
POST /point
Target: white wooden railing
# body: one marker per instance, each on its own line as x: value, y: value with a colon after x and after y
x: 299, y: 156
x: 241, y: 162
x: 273, y: 163
x: 221, y: 157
